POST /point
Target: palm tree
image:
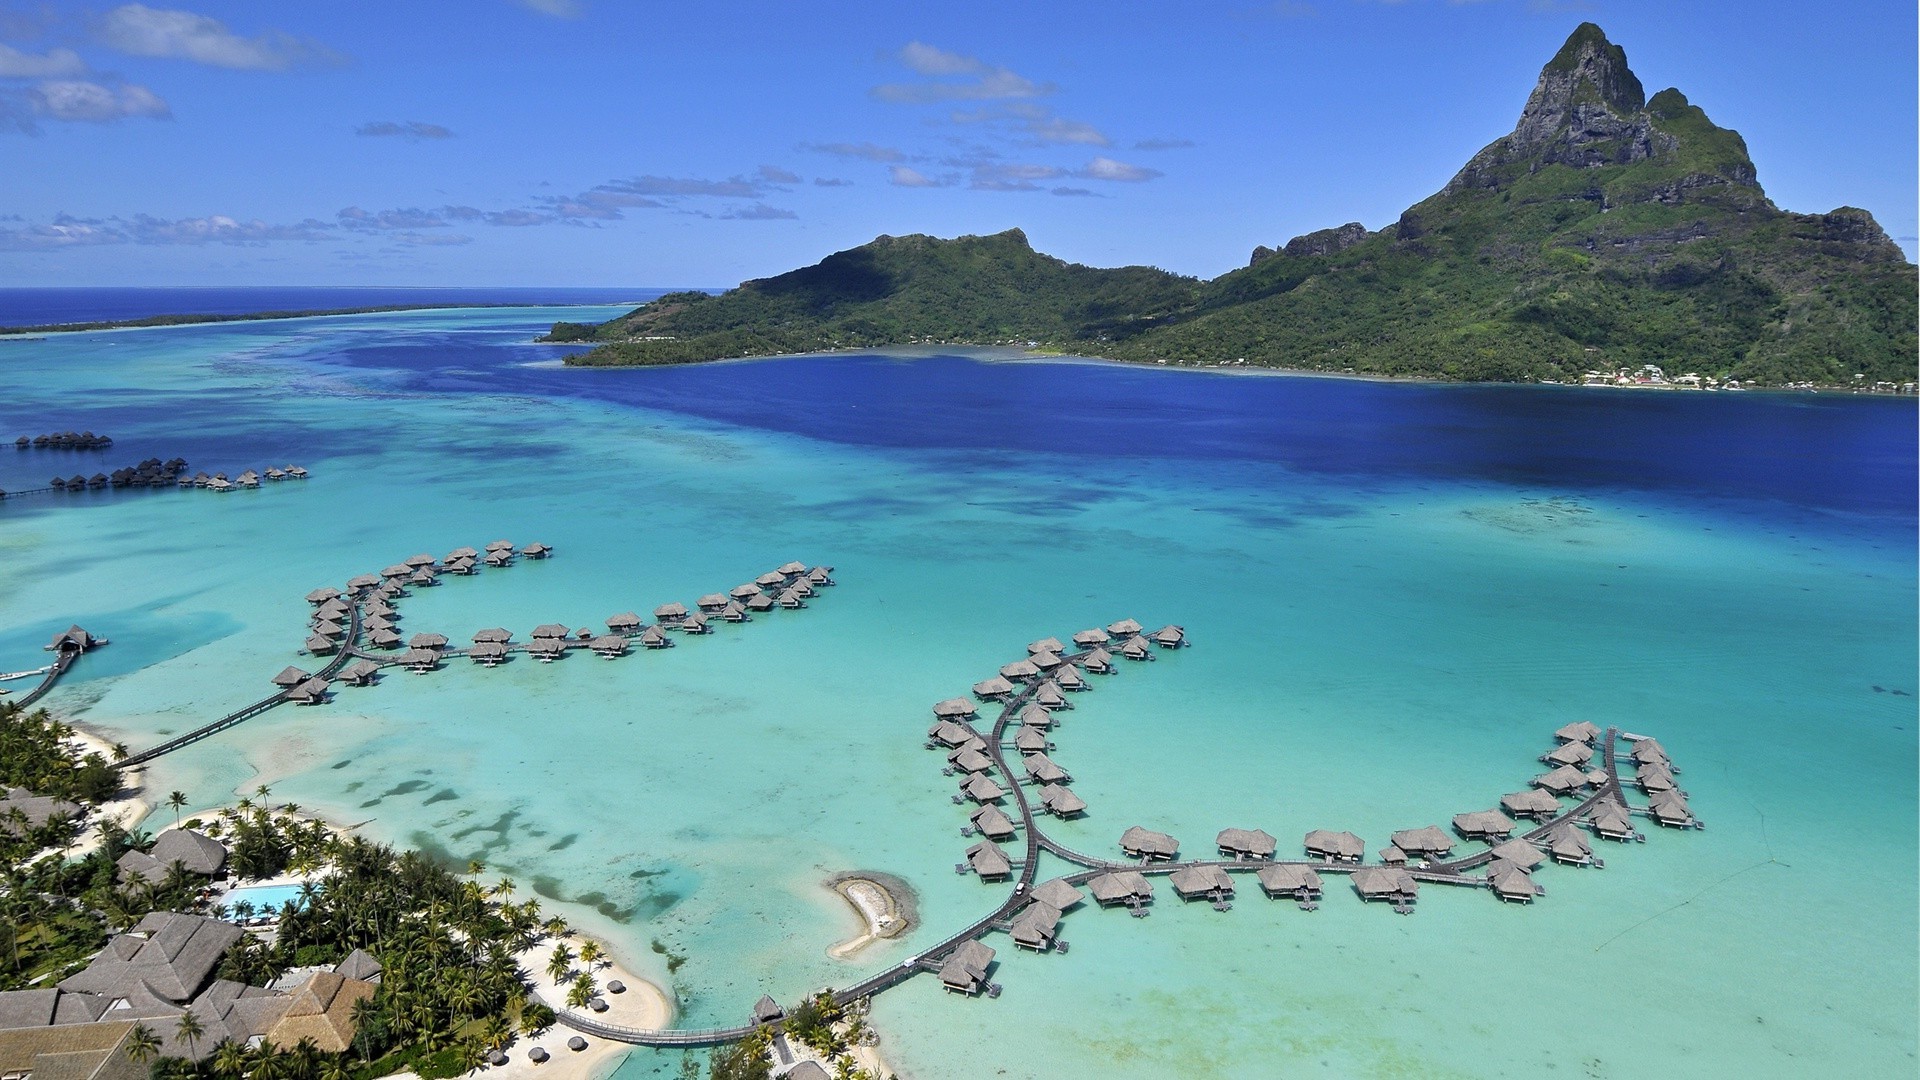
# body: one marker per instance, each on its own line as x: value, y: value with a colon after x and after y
x: 189, y: 1028
x: 560, y: 962
x: 580, y: 992
x: 142, y: 1044
x: 475, y: 866
x: 362, y: 1016
x: 177, y: 800
x: 230, y: 1059
x: 590, y: 953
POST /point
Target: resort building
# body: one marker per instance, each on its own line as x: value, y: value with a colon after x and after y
x: 1146, y: 844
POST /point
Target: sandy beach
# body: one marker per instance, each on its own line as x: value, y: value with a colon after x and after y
x: 883, y: 902
x: 127, y: 811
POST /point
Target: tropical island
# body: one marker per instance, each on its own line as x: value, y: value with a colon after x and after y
x: 1607, y: 231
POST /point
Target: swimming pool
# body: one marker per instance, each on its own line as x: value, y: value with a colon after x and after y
x: 264, y: 898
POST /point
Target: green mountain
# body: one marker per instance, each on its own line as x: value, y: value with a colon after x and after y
x: 1605, y: 231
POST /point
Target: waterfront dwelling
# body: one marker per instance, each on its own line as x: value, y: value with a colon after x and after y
x: 1670, y: 809
x: 734, y: 612
x: 311, y: 692
x: 1289, y: 879
x: 420, y: 661
x: 1653, y: 778
x: 992, y: 822
x: 550, y: 631
x: 981, y: 789
x: 969, y: 760
x: 1057, y: 893
x: 673, y: 612
x: 1031, y: 741
x: 1067, y: 677
x: 1145, y: 844
x: 1578, y: 731
x: 1036, y: 927
x: 1520, y: 853
x: 1564, y: 780
x: 1136, y: 648
x: 1573, y: 753
x: 1034, y: 716
x: 1649, y: 751
x: 791, y: 569
x: 1566, y: 845
x: 1046, y: 661
x: 1092, y: 639
x: 770, y: 579
x: 1510, y: 883
x: 360, y: 672
x: 745, y: 592
x: 1388, y: 883
x: 762, y: 602
x: 1246, y: 844
x: 498, y: 560
x: 1045, y: 645
x: 488, y: 653
x: 1202, y: 882
x: 767, y: 1010
x: 536, y: 551
x: 965, y: 971
x: 329, y: 628
x: 1099, y: 661
x: 1335, y: 846
x: 363, y: 581
x: 378, y: 622
x: 321, y: 645
x: 1049, y: 696
x: 695, y: 623
x: 950, y: 733
x: 495, y: 636
x: 1393, y: 856
x: 954, y: 709
x: 1169, y: 637
x: 1488, y: 825
x: 1611, y: 821
x: 1041, y: 769
x: 626, y: 622
x: 1532, y: 803
x: 1020, y: 669
x: 609, y: 645
x: 384, y: 639
x: 992, y: 689
x: 1061, y: 802
x: 547, y: 650
x: 712, y: 603
x: 820, y: 576
x: 428, y: 641
x: 1124, y: 628
x: 1427, y: 841
x: 290, y: 677
x: 988, y: 861
x: 1128, y: 887
x: 321, y: 596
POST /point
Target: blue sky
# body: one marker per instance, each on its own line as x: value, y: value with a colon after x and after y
x: 589, y: 142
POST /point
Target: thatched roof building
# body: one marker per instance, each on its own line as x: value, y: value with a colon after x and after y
x: 1426, y: 840
x: 1246, y: 843
x: 1339, y: 846
x: 1146, y: 844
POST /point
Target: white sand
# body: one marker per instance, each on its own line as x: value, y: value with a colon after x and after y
x: 126, y: 811
x: 875, y: 905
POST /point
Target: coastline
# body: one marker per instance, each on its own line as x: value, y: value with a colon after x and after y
x: 885, y: 903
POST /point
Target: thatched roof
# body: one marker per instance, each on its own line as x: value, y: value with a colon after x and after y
x: 420, y: 657
x: 1036, y: 925
x: 954, y: 707
x: 988, y: 860
x: 1578, y: 731
x: 991, y: 688
x: 1088, y: 638
x: 1384, y: 881
x: 981, y: 788
x: 1520, y: 853
x: 1019, y: 669
x: 1483, y: 823
x: 291, y: 676
x: 970, y: 760
x: 1031, y: 741
x: 1288, y: 878
x: 1426, y: 840
x: 1573, y: 753
x: 551, y: 630
x: 1169, y: 635
x: 1061, y: 801
x: 1200, y: 880
x: 1511, y: 882
x: 993, y: 822
x: 1139, y: 841
x: 951, y: 733
x: 1531, y: 801
x: 321, y: 596
x: 498, y: 635
x: 428, y: 641
x: 1566, y: 842
x: 1256, y: 842
x: 626, y: 620
x: 1057, y: 893
x: 675, y: 610
x: 1340, y: 845
x: 1051, y: 644
x: 1041, y: 767
x: 1564, y: 779
x: 1117, y: 885
x: 1124, y: 628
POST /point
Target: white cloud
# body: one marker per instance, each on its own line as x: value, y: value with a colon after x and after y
x: 1105, y: 168
x: 433, y: 239
x: 905, y: 176
x: 1038, y: 124
x: 862, y: 151
x: 760, y: 212
x: 218, y: 229
x: 559, y: 9
x: 79, y: 100
x: 962, y: 78
x: 55, y: 64
x: 411, y: 130
x: 774, y: 174
x: 138, y: 30
x: 63, y: 233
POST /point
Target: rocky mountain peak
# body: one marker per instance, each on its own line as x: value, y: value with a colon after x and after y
x: 1586, y: 80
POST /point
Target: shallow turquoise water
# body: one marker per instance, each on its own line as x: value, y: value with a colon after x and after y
x: 1384, y: 637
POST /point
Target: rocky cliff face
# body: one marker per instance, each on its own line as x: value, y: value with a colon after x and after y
x: 1319, y: 242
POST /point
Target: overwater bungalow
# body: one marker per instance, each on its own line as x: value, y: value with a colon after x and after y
x: 992, y: 822
x: 965, y: 971
x: 1649, y: 750
x: 969, y: 760
x: 951, y: 733
x: 498, y: 559
x: 609, y: 645
x: 291, y: 676
x: 1393, y: 856
x: 1091, y: 639
x: 1566, y: 845
x: 1061, y: 802
x: 554, y: 631
x: 695, y: 623
x: 1136, y: 648
x: 378, y: 622
x: 1573, y: 753
x: 295, y: 472
x: 991, y: 689
x: 1611, y: 821
x: 420, y: 660
x: 500, y: 545
x: 1653, y: 778
x: 461, y: 553
x: 1521, y: 853
x: 655, y: 638
x: 670, y: 612
x: 275, y: 472
x: 547, y: 650
x: 1564, y: 780
x: 1427, y: 840
x: 743, y: 592
x: 1058, y: 894
x: 1120, y: 887
x: 1483, y: 825
x: 711, y: 603
x: 770, y: 580
x: 384, y: 639
x: 397, y: 570
x: 1099, y: 661
x: 321, y: 645
x: 1031, y: 741
x: 1049, y: 695
x: 1510, y: 883
x: 1169, y: 636
x: 335, y: 608
x: 1201, y: 882
x: 1145, y: 844
x: 311, y: 692
x: 791, y: 569
x: 536, y: 551
x: 1046, y: 661
x: 987, y: 860
x: 427, y: 641
x: 1036, y: 926
x: 1124, y: 628
x: 1048, y: 644
x: 1246, y: 843
x: 1670, y: 809
x: 1041, y: 769
x: 1578, y: 731
x: 497, y: 635
x: 363, y: 581
x: 820, y: 576
x: 1020, y: 669
x: 1531, y: 803
x: 1385, y: 883
x: 1335, y: 846
x: 361, y: 672
x: 1597, y: 778
x: 329, y: 628
x: 423, y: 578
x: 321, y: 596
x: 762, y: 602
x: 488, y: 653
x: 463, y: 567
x: 624, y: 623
x: 734, y: 612
x: 1036, y: 717
x: 954, y: 708
x: 1289, y: 879
x: 421, y: 560
x: 981, y: 789
x: 1068, y: 677
x: 59, y: 483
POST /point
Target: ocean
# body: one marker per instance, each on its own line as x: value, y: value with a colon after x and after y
x: 1395, y: 593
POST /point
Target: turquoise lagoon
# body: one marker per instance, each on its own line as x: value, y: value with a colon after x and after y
x: 1395, y: 593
